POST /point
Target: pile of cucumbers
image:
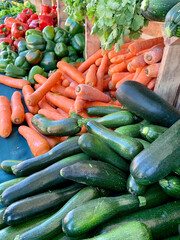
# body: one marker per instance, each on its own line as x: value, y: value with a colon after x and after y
x: 118, y: 180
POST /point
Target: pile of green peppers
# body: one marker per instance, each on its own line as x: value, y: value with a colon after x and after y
x: 41, y: 51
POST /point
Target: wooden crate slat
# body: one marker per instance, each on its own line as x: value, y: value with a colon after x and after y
x: 47, y: 2
x: 168, y: 81
x: 62, y: 16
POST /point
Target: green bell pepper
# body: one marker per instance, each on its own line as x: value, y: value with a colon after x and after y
x: 22, y: 63
x: 50, y: 45
x: 49, y: 61
x: 80, y: 60
x: 33, y: 31
x: 34, y: 56
x: 5, y: 46
x: 66, y: 59
x: 22, y: 46
x: 8, y: 54
x: 14, y: 71
x: 72, y: 53
x: 35, y: 70
x: 73, y: 27
x: 61, y: 49
x: 3, y: 64
x: 35, y: 42
x: 78, y: 42
x: 62, y: 36
x: 57, y: 29
x: 48, y: 33
x: 23, y: 53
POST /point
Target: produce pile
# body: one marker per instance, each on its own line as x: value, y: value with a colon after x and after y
x: 103, y: 167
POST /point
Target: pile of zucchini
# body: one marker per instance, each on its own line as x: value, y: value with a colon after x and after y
x: 118, y: 180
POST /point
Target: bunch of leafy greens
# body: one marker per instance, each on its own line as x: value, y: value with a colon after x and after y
x: 113, y: 20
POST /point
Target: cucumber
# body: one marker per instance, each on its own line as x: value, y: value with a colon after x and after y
x: 171, y: 185
x: 143, y: 102
x: 40, y: 181
x: 67, y: 148
x: 89, y: 215
x: 34, y: 206
x: 125, y: 146
x: 130, y: 130
x: 95, y: 173
x: 62, y: 127
x: 159, y: 159
x: 143, y: 142
x: 152, y: 132
x: 172, y: 21
x: 177, y: 170
x: 102, y: 110
x: 156, y: 10
x: 134, y: 188
x: 9, y: 233
x: 53, y: 225
x: 2, y: 222
x: 127, y: 231
x: 7, y: 164
x: 162, y: 220
x: 97, y: 149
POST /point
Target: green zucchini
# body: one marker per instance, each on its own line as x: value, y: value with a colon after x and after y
x: 62, y: 127
x: 170, y: 238
x: 96, y: 173
x: 7, y: 164
x: 162, y: 220
x: 112, y: 120
x: 171, y: 185
x: 177, y: 170
x: 97, y: 149
x: 143, y: 142
x: 53, y: 225
x: 9, y: 233
x: 134, y: 188
x: 102, y: 110
x: 159, y: 159
x: 143, y: 102
x: 2, y: 222
x: 127, y: 231
x: 40, y: 181
x: 67, y: 148
x: 132, y: 130
x: 172, y: 21
x: 156, y: 10
x: 34, y: 206
x: 152, y: 132
x: 125, y: 146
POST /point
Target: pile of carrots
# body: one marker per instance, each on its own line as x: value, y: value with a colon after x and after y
x: 75, y: 88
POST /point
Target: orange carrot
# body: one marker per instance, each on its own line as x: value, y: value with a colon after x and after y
x: 13, y: 82
x: 111, y: 85
x: 138, y: 70
x: 142, y: 77
x: 5, y: 117
x: 129, y: 77
x: 98, y: 61
x: 70, y: 92
x: 123, y: 50
x: 53, y: 141
x: 96, y: 103
x: 60, y: 101
x: 155, y: 54
x: 106, y: 83
x: 71, y: 71
x: 122, y: 58
x: 91, y: 76
x: 120, y: 67
x: 89, y: 61
x: 116, y: 77
x: 63, y: 113
x: 152, y: 83
x: 65, y: 83
x: 79, y: 104
x: 44, y: 104
x: 73, y: 84
x: 36, y: 85
x: 101, y: 72
x: 138, y: 61
x: 53, y: 115
x: 112, y: 93
x: 138, y: 46
x: 152, y: 70
x: 142, y: 52
x: 17, y: 108
x: 36, y: 96
x: 112, y: 65
x: 130, y: 67
x: 36, y: 142
x: 89, y: 93
x: 27, y: 90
